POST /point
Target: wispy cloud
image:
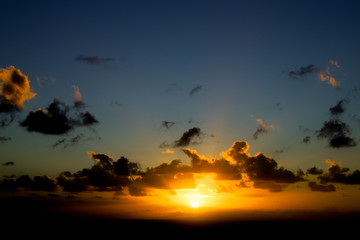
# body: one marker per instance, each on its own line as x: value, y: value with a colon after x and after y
x: 263, y: 128
x: 93, y: 59
x: 301, y: 72
x: 195, y: 89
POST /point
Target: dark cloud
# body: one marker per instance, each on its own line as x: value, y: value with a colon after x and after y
x: 93, y: 59
x: 37, y: 183
x: 57, y: 119
x: 167, y: 124
x: 321, y: 187
x: 302, y: 71
x: 338, y: 174
x: 4, y: 139
x: 8, y: 163
x: 314, y: 171
x: 260, y: 167
x: 68, y: 142
x: 195, y: 89
x: 126, y: 177
x: 263, y: 128
x: 339, y: 108
x: 336, y: 131
x: 306, y: 139
x: 188, y: 137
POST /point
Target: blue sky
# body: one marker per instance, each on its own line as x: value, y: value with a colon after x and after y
x: 151, y: 54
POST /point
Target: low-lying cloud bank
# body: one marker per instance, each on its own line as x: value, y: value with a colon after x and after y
x: 235, y: 164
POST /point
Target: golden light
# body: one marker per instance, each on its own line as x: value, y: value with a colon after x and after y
x: 195, y: 204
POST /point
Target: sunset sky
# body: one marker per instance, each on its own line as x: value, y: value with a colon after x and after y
x: 217, y: 105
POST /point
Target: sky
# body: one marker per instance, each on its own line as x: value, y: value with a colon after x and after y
x: 164, y: 102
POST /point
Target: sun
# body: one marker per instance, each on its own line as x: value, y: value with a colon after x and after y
x: 195, y: 204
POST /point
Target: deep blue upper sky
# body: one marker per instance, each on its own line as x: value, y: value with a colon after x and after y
x: 151, y: 54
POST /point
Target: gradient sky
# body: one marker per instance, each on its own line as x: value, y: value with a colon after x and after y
x: 264, y: 72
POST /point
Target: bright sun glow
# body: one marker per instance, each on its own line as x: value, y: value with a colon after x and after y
x: 195, y: 204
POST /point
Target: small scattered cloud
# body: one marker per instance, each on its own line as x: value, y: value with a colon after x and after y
x: 339, y: 108
x: 65, y: 142
x: 335, y: 63
x: 301, y: 72
x: 11, y: 163
x: 15, y: 87
x: 306, y: 139
x: 263, y: 128
x: 116, y: 104
x: 195, y: 89
x: 315, y: 187
x: 78, y: 97
x: 40, y: 80
x: 336, y: 132
x: 168, y: 151
x: 14, y: 91
x: 189, y: 137
x: 93, y: 59
x: 167, y: 124
x: 4, y: 139
x: 325, y: 76
x: 56, y: 119
x: 314, y: 171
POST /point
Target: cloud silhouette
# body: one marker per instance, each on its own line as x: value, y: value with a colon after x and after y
x: 302, y: 72
x: 4, y: 139
x: 263, y: 128
x: 11, y: 163
x: 167, y: 124
x: 335, y: 130
x: 338, y: 174
x: 188, y: 137
x: 339, y: 108
x: 56, y: 119
x: 321, y: 187
x: 235, y: 164
x: 195, y: 89
x: 93, y: 59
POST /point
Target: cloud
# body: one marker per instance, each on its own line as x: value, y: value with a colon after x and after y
x: 339, y: 108
x: 188, y: 137
x: 4, y: 139
x: 168, y: 151
x: 335, y: 131
x: 263, y: 128
x: 306, y: 139
x: 335, y: 63
x: 14, y: 88
x: 78, y: 97
x: 195, y: 89
x: 314, y: 171
x: 167, y: 124
x: 56, y: 119
x: 321, y: 187
x: 67, y: 143
x: 301, y: 72
x: 11, y: 163
x: 325, y: 76
x: 338, y: 174
x: 259, y: 167
x: 93, y: 59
